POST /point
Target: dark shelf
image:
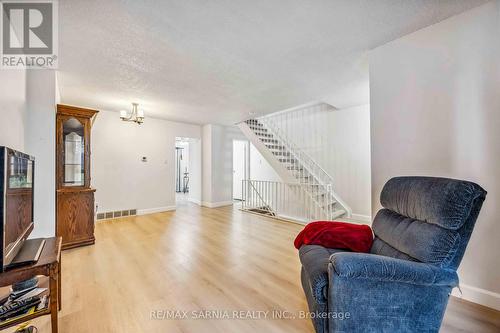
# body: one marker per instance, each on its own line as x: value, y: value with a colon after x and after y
x: 23, y: 318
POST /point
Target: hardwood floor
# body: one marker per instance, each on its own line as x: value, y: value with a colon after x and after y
x: 197, y: 259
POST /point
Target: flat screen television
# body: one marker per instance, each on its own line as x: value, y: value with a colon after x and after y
x: 17, y: 171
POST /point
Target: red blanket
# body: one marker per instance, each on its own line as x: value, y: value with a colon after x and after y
x: 336, y: 235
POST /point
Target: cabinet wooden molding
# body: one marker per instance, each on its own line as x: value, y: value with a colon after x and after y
x: 74, y: 195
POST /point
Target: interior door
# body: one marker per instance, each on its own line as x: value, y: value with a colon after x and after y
x: 239, y: 167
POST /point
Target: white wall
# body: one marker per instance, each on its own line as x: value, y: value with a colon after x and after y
x: 12, y: 108
x: 195, y: 181
x: 435, y: 106
x: 218, y: 163
x: 40, y: 137
x: 222, y: 161
x: 122, y: 180
x: 260, y: 169
x: 348, y: 157
x: 206, y: 178
x: 13, y: 105
x: 27, y: 106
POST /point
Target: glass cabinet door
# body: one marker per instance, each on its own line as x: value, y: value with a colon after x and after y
x: 74, y: 153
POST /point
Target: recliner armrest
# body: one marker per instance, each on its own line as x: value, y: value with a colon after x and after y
x: 315, y: 260
x: 388, y: 269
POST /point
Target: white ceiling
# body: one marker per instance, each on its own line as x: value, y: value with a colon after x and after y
x: 216, y: 61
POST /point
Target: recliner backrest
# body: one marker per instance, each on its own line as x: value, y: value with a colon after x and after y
x: 426, y: 219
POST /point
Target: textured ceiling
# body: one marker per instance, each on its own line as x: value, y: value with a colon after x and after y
x: 218, y: 61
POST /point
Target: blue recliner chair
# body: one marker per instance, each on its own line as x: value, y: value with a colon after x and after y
x: 403, y: 285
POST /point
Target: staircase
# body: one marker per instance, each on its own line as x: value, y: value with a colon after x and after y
x: 305, y: 184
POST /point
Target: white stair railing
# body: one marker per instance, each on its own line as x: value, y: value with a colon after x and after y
x: 308, y: 164
x: 295, y: 142
x: 255, y: 196
x: 288, y: 201
x: 304, y: 169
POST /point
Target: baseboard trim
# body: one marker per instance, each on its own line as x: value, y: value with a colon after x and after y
x: 292, y: 219
x: 216, y: 204
x: 196, y: 201
x: 155, y: 210
x: 478, y: 295
x: 361, y: 218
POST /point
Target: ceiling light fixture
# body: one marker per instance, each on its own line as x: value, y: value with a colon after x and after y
x: 137, y: 116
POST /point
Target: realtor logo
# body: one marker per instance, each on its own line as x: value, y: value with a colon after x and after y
x: 29, y: 34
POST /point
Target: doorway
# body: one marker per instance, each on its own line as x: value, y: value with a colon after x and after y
x: 240, y: 167
x: 187, y: 170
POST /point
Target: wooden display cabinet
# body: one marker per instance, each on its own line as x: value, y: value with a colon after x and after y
x: 74, y: 196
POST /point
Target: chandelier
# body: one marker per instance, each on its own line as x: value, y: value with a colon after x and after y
x: 136, y: 115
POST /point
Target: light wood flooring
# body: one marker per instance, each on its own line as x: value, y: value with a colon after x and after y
x: 196, y: 259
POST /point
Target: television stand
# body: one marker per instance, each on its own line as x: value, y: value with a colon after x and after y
x: 49, y: 264
x: 29, y: 253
